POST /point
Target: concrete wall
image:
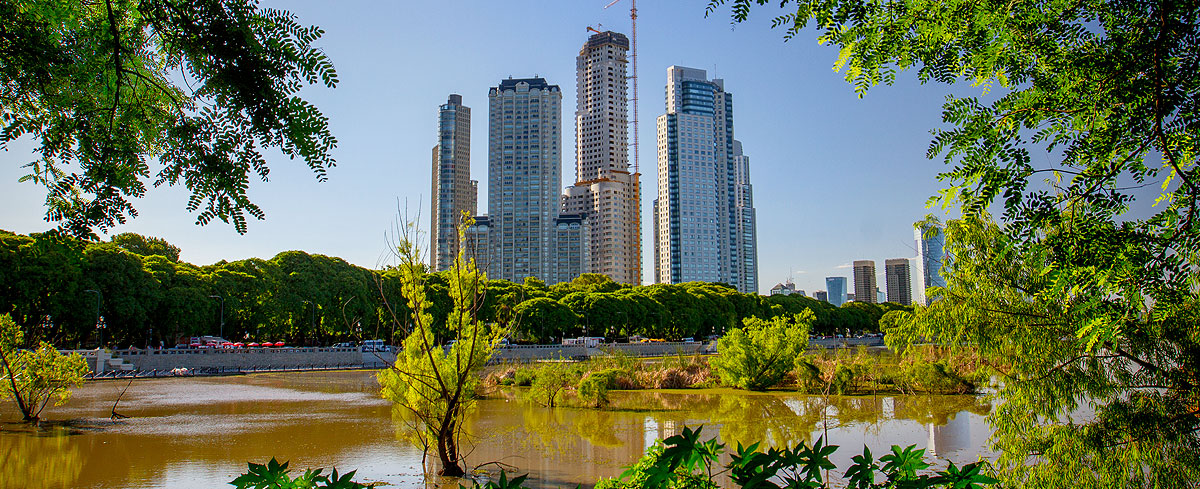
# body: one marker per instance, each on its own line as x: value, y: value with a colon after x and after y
x: 844, y: 342
x: 526, y: 353
x: 657, y: 349
x: 241, y: 358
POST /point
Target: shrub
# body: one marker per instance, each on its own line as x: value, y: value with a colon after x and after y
x: 758, y: 355
x: 593, y: 389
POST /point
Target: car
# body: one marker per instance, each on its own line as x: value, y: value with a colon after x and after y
x: 373, y: 345
x: 348, y: 344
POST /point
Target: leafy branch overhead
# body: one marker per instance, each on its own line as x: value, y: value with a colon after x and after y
x: 120, y: 93
x: 1084, y: 144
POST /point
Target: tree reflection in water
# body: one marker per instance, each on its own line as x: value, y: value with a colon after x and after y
x: 45, y: 459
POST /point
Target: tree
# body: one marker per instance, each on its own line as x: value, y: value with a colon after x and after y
x: 33, y: 378
x: 758, y: 355
x: 543, y: 318
x: 141, y: 245
x: 1100, y: 99
x: 435, y: 385
x: 200, y: 86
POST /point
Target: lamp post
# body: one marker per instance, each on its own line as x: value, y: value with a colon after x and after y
x: 222, y: 330
x: 100, y: 326
x: 97, y: 292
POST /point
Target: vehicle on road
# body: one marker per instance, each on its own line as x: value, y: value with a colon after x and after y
x: 374, y: 345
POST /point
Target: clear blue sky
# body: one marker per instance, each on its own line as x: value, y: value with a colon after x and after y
x: 835, y: 178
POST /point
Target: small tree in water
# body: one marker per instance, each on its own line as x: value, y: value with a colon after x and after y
x: 434, y: 386
x: 33, y: 378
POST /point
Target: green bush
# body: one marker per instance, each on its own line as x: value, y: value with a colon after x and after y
x: 843, y: 380
x: 759, y: 355
x: 524, y: 377
x: 808, y: 376
x: 593, y: 389
x: 274, y: 475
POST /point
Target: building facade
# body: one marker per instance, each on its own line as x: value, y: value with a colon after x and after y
x: 898, y: 280
x: 821, y: 295
x: 931, y: 256
x: 786, y: 288
x: 696, y: 219
x: 524, y: 177
x: 605, y: 191
x: 864, y: 281
x: 745, y: 225
x: 836, y: 288
x: 453, y: 191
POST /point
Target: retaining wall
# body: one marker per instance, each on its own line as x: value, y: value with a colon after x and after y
x: 248, y: 358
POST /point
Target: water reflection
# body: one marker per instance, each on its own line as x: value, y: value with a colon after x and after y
x: 200, y: 432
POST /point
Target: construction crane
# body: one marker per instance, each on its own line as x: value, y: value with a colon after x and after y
x: 635, y: 196
x: 633, y: 50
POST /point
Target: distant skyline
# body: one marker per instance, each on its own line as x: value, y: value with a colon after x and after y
x: 836, y: 178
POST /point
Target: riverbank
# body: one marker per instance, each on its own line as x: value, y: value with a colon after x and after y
x: 858, y: 371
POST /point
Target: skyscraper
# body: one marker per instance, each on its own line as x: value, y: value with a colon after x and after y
x: 696, y: 213
x: 605, y: 191
x: 821, y: 295
x: 837, y: 290
x: 745, y: 226
x: 453, y: 190
x: 898, y: 279
x: 864, y: 281
x: 524, y: 175
x: 930, y: 258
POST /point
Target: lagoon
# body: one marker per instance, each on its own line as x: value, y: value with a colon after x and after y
x: 199, y: 432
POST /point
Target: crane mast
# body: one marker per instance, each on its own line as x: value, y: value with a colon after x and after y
x: 635, y: 196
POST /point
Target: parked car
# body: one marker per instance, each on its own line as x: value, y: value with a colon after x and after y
x: 374, y: 345
x: 348, y: 344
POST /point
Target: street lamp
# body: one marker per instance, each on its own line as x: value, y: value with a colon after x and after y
x: 97, y: 292
x: 100, y: 327
x: 222, y: 333
x: 47, y: 325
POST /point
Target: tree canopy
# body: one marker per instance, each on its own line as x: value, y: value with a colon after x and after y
x: 1084, y: 104
x: 121, y: 93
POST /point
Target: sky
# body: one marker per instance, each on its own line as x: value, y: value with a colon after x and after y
x: 836, y: 178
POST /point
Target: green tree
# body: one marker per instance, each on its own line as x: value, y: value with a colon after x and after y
x: 758, y: 355
x: 541, y: 319
x: 141, y: 245
x: 33, y: 378
x: 435, y: 385
x: 200, y: 86
x: 1093, y: 279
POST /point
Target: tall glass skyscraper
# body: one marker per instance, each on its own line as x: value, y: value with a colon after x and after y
x: 836, y: 286
x: 696, y: 217
x: 453, y: 190
x: 931, y: 256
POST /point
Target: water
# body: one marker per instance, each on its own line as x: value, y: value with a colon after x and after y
x: 200, y: 432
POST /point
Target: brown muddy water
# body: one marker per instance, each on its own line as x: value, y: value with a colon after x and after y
x: 200, y: 432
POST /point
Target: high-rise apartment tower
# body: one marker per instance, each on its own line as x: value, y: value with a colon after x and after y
x: 696, y: 217
x: 605, y: 191
x: 898, y: 279
x: 524, y: 177
x: 864, y: 281
x: 453, y: 190
x: 745, y: 225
